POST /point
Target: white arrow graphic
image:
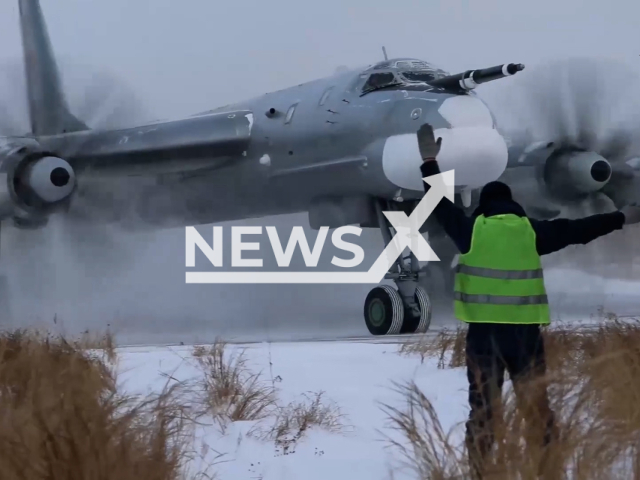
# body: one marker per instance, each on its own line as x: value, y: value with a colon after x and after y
x: 407, y: 236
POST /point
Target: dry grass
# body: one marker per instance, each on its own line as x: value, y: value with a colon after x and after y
x: 447, y: 347
x: 62, y: 416
x: 297, y: 418
x: 593, y: 383
x: 103, y: 342
x: 426, y: 447
x: 230, y: 391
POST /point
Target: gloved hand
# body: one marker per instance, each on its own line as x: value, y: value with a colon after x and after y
x: 429, y: 147
x: 631, y: 213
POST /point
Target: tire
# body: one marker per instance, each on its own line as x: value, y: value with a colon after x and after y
x: 421, y: 323
x: 384, y: 311
x: 426, y: 310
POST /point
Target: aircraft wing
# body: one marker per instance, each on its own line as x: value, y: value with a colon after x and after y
x: 205, y: 141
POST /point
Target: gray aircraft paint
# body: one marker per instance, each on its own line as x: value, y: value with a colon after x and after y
x: 337, y: 149
x: 325, y: 143
x: 180, y: 190
x: 311, y: 148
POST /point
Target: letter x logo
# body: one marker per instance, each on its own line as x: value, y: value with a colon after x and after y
x: 408, y: 227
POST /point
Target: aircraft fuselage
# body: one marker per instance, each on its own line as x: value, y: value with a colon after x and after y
x: 312, y: 147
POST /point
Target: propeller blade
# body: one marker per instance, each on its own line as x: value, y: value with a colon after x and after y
x: 618, y: 146
x: 14, y: 119
x: 622, y: 142
x: 102, y: 101
x: 624, y: 186
x: 580, y: 102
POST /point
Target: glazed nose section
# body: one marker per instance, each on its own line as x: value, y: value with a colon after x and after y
x: 472, y: 147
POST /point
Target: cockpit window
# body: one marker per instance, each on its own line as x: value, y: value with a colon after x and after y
x: 401, y: 73
x: 382, y: 66
x: 419, y: 76
x: 377, y: 80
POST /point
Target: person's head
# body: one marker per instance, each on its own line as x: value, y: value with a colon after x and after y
x: 495, y: 191
x: 496, y: 199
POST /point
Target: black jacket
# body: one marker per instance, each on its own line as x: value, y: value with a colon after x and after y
x: 551, y: 235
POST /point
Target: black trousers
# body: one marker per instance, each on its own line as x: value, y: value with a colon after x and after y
x: 492, y: 349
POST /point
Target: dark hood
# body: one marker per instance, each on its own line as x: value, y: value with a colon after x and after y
x: 496, y: 199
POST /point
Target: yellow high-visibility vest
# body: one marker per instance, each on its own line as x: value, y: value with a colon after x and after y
x: 500, y: 279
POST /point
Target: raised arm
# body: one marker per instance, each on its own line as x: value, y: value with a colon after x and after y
x: 453, y: 220
x: 554, y: 235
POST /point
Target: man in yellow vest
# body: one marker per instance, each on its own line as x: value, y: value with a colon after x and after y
x: 500, y: 293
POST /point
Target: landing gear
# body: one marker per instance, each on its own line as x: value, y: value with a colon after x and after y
x: 385, y: 312
x: 408, y: 309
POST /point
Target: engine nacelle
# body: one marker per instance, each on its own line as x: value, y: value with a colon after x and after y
x: 572, y: 173
x: 33, y: 184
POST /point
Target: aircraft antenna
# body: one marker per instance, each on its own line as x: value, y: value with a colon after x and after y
x: 384, y: 52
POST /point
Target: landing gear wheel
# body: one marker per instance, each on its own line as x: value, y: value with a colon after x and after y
x: 419, y: 324
x: 384, y: 311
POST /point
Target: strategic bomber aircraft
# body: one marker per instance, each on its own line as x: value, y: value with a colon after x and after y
x: 341, y: 148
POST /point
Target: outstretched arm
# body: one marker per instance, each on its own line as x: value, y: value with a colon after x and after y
x: 554, y: 235
x: 453, y: 220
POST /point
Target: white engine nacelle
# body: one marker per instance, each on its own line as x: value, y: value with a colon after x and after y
x: 50, y: 178
x: 33, y: 183
x: 575, y: 173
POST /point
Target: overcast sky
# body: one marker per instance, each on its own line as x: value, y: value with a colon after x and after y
x: 181, y: 57
x: 185, y: 56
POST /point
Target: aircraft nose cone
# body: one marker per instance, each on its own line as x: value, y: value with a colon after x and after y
x: 478, y: 155
x: 472, y: 147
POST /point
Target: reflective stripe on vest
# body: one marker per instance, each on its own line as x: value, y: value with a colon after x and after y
x: 500, y: 279
x: 501, y: 299
x: 500, y: 274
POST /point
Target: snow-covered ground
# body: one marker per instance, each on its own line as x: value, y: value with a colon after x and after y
x: 358, y: 377
x: 356, y: 374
